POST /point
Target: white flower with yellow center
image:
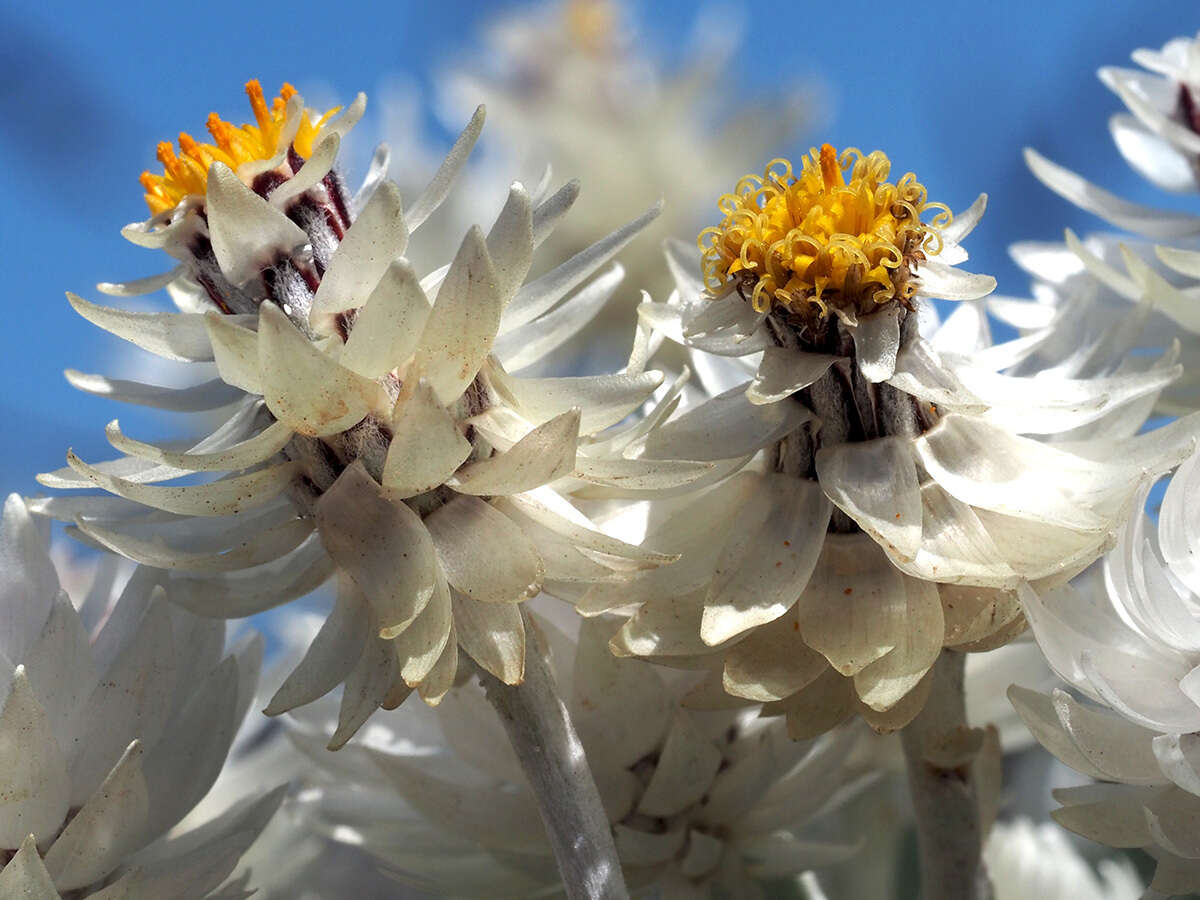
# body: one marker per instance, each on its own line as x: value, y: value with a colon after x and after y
x: 115, y: 719
x: 892, y: 499
x: 1160, y: 138
x: 701, y: 804
x: 1129, y: 638
x: 376, y: 431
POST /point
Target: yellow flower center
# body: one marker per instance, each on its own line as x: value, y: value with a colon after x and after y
x: 187, y: 173
x: 591, y: 24
x: 816, y: 241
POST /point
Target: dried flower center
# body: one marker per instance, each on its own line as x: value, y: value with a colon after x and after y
x: 818, y: 242
x: 187, y: 173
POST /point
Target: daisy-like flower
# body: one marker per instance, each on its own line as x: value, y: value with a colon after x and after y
x: 892, y: 500
x: 1102, y: 275
x: 701, y: 804
x: 1129, y: 638
x: 116, y: 719
x: 376, y: 431
x: 572, y: 84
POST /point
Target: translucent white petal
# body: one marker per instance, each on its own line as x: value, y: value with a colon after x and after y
x: 852, y: 609
x: 964, y: 223
x: 551, y: 210
x: 217, y: 498
x: 25, y: 877
x: 1155, y: 159
x: 629, y: 477
x: 483, y: 553
x: 772, y: 663
x: 492, y: 634
x: 726, y: 426
x: 767, y: 560
x: 523, y: 346
x: 108, y: 826
x: 538, y: 296
x: 685, y: 771
x: 427, y: 446
x: 1155, y: 223
x: 36, y: 786
x: 545, y: 454
x: 783, y: 372
x: 331, y: 655
x: 28, y: 581
x: 366, y: 689
x: 510, y: 242
x: 939, y: 280
x: 247, y: 232
x: 876, y: 343
x: 419, y: 647
x: 235, y: 350
x: 461, y: 328
x: 603, y: 399
x: 176, y: 336
x: 875, y: 483
x: 377, y: 237
x: 389, y: 325
x: 197, y: 398
x: 381, y: 544
x: 140, y: 286
x: 440, y: 678
x: 306, y: 388
x: 883, y: 683
x: 433, y: 195
x: 1119, y: 749
x: 242, y: 455
x: 60, y: 669
x: 376, y: 174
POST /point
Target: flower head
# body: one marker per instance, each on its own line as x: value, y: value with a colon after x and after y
x: 817, y: 242
x: 380, y: 429
x: 115, y: 722
x: 889, y: 490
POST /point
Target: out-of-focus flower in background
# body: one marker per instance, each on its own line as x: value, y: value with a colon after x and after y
x: 119, y: 710
x: 702, y: 804
x: 571, y: 85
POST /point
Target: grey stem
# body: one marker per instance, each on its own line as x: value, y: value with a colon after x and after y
x: 940, y: 748
x: 553, y: 760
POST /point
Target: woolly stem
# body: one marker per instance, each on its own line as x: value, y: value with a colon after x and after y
x: 940, y: 748
x: 553, y: 760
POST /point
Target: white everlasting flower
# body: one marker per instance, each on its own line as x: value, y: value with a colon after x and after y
x: 701, y: 804
x: 1099, y: 277
x: 894, y: 495
x: 116, y: 720
x: 376, y: 428
x: 1129, y: 638
x: 1025, y: 860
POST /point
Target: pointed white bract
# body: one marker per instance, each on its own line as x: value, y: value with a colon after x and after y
x: 897, y: 484
x: 115, y: 721
x: 1128, y: 638
x: 378, y: 425
x: 700, y: 804
x: 1107, y: 292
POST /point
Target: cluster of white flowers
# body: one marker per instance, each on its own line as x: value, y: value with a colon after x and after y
x: 662, y: 626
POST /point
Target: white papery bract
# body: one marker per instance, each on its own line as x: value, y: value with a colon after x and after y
x: 116, y: 718
x: 1090, y: 284
x: 573, y: 84
x: 1129, y: 638
x: 701, y: 804
x: 1025, y: 861
x: 896, y: 487
x: 378, y: 430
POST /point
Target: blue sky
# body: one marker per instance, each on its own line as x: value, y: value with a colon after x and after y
x: 950, y: 90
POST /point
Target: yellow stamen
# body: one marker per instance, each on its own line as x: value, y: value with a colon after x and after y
x: 234, y: 146
x: 817, y: 240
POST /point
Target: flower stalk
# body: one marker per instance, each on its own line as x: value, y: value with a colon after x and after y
x: 552, y: 758
x: 940, y: 749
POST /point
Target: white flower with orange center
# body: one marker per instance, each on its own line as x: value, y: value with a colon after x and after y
x: 377, y: 430
x: 892, y: 495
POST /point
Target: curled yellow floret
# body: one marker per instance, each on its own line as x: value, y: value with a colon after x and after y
x: 186, y: 173
x: 836, y: 235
